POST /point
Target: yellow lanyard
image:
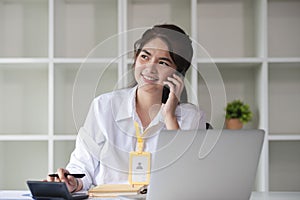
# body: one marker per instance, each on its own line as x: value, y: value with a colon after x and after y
x: 140, y: 140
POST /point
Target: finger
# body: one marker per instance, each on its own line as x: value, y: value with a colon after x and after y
x: 50, y: 179
x: 171, y: 86
x: 61, y: 174
x: 173, y: 97
x: 70, y: 179
x: 57, y: 179
x: 175, y: 81
x: 175, y: 87
x: 179, y: 79
x: 71, y: 184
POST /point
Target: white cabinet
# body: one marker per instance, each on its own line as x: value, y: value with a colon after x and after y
x: 57, y: 55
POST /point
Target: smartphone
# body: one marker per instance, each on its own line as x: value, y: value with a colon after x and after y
x: 165, y: 94
x: 166, y: 90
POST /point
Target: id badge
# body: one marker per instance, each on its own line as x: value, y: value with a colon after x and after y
x: 139, y: 168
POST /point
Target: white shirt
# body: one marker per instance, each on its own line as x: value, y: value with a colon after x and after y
x: 108, y: 136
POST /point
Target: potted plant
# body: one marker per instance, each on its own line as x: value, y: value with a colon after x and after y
x: 237, y: 114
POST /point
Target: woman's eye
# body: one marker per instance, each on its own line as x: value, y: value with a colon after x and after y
x: 164, y: 63
x: 145, y: 57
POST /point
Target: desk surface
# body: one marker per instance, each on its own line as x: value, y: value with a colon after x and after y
x: 275, y: 196
x: 14, y: 194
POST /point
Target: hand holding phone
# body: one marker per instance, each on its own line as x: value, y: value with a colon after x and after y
x: 172, y: 90
x: 173, y: 84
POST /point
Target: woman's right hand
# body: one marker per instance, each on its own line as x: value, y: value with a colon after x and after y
x: 176, y: 85
x: 72, y: 183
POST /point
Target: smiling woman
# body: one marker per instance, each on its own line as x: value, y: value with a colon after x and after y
x: 111, y: 131
x: 179, y: 45
x: 153, y: 69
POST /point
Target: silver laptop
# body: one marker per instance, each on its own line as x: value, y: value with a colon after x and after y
x: 204, y: 164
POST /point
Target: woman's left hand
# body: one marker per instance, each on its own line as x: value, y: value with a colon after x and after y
x: 176, y: 86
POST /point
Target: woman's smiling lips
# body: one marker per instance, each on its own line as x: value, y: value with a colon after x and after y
x: 149, y: 79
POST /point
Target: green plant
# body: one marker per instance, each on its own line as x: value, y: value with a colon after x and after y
x: 238, y: 110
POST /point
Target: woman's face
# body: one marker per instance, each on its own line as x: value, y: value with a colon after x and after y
x: 154, y: 64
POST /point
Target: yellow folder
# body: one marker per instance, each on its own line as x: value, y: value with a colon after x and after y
x: 113, y: 190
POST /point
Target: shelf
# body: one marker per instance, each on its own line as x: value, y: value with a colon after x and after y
x: 24, y: 99
x: 284, y: 97
x: 284, y: 60
x: 284, y: 161
x: 238, y: 65
x: 85, y: 60
x: 230, y: 24
x: 23, y: 60
x: 24, y: 28
x: 25, y: 160
x: 284, y: 137
x: 283, y: 28
x: 37, y: 137
x: 25, y: 137
x: 81, y: 25
x: 75, y: 86
x: 238, y: 61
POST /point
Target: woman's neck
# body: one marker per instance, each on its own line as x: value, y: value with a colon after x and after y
x: 147, y: 105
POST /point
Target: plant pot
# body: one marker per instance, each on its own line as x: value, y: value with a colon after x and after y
x: 234, y: 124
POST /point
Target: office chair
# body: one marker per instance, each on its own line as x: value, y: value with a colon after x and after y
x: 208, y: 126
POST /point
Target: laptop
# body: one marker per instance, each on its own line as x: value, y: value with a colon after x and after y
x: 53, y: 190
x: 204, y: 164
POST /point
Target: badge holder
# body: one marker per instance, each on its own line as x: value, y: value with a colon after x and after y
x: 139, y: 168
x: 139, y: 163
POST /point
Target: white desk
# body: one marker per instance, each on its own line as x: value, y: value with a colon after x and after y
x: 275, y: 196
x: 13, y: 194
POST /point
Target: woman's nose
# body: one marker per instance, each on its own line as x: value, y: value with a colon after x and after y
x: 152, y: 67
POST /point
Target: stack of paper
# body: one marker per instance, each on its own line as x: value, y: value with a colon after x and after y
x: 113, y: 190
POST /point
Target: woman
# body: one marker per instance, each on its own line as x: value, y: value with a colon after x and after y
x: 162, y: 57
